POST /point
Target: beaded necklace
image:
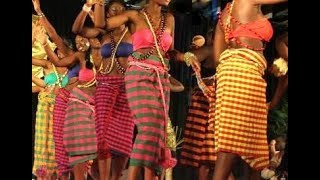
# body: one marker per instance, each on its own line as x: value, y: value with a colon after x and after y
x: 113, y: 54
x: 228, y: 30
x: 59, y: 78
x: 159, y: 34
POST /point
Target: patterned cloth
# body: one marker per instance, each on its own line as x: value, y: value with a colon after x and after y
x: 114, y: 122
x: 240, y: 123
x: 59, y: 114
x: 198, y: 145
x: 44, y: 154
x: 146, y: 104
x: 79, y: 133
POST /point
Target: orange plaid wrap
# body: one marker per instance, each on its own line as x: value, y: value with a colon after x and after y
x: 240, y: 119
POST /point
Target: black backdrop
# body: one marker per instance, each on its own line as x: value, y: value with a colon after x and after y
x: 61, y: 13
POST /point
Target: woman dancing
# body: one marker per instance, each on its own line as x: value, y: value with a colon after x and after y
x: 240, y: 121
x: 147, y: 81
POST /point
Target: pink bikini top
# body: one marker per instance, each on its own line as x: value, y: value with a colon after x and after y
x: 144, y: 39
x: 86, y: 75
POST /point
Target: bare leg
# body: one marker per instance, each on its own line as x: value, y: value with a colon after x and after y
x: 163, y: 174
x: 118, y: 165
x: 224, y: 165
x: 94, y: 171
x: 104, y: 168
x: 203, y: 172
x: 249, y: 173
x: 133, y: 172
x: 149, y: 173
x: 79, y: 171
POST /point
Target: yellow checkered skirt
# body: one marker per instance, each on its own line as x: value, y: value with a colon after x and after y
x: 240, y: 118
x: 44, y: 156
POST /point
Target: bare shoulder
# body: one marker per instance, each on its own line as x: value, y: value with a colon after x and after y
x: 170, y: 17
x: 132, y: 13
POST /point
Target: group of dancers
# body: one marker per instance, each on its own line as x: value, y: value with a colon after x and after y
x: 114, y: 76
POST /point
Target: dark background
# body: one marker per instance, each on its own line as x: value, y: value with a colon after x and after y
x: 189, y: 22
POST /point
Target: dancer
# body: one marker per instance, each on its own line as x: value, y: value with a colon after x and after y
x: 44, y: 154
x: 80, y: 102
x: 240, y: 107
x: 113, y: 113
x: 147, y: 83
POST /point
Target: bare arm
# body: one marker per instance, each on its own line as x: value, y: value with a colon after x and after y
x: 80, y: 19
x: 38, y: 62
x: 50, y: 29
x: 99, y: 15
x: 268, y: 1
x: 282, y: 46
x: 78, y: 25
x: 171, y: 19
x: 282, y: 85
x: 118, y: 20
x: 91, y: 32
x: 219, y: 44
x: 39, y: 82
x: 64, y: 62
x: 281, y: 88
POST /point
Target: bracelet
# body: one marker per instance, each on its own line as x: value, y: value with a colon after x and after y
x: 86, y: 8
x: 41, y: 14
x: 187, y: 58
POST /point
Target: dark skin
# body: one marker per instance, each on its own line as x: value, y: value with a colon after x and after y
x: 136, y: 21
x: 282, y: 85
x: 244, y: 11
x: 205, y: 56
x: 114, y: 9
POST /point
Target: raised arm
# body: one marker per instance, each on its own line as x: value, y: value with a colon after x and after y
x: 118, y: 20
x: 64, y: 62
x: 99, y: 15
x: 39, y: 82
x: 40, y: 62
x: 50, y: 29
x: 78, y: 25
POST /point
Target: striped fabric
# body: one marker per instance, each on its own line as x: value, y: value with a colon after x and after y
x: 44, y: 156
x: 59, y: 113
x: 198, y: 145
x: 241, y: 116
x: 114, y: 122
x: 79, y: 133
x: 146, y: 104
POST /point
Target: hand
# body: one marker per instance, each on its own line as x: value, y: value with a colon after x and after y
x: 275, y: 70
x: 91, y: 2
x: 36, y: 5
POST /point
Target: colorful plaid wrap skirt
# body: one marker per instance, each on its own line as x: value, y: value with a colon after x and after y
x: 59, y: 114
x: 240, y: 122
x: 146, y: 104
x: 79, y: 132
x: 44, y: 153
x: 198, y: 140
x: 114, y: 122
